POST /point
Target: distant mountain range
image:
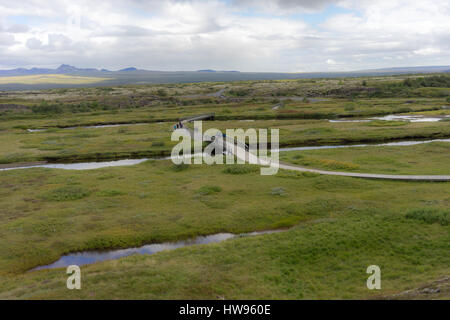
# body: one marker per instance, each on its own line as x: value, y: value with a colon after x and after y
x: 62, y: 69
x: 67, y: 69
x: 132, y: 75
x: 128, y: 69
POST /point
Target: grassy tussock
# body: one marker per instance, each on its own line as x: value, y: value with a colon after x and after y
x: 67, y: 193
x: 430, y: 158
x: 207, y: 190
x: 240, y: 169
x: 429, y: 215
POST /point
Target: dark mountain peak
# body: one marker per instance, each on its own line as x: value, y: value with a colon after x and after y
x: 35, y: 71
x: 65, y: 68
x: 129, y: 69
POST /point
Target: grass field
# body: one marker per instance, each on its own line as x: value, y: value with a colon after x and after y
x: 51, y: 78
x: 334, y: 227
x: 153, y: 140
x: 433, y: 158
x: 342, y: 226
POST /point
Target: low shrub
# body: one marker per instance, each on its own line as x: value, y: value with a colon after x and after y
x: 207, y: 190
x: 67, y: 193
x: 430, y: 216
x: 240, y: 169
x: 110, y: 193
x: 279, y: 191
x: 158, y: 144
x: 179, y: 167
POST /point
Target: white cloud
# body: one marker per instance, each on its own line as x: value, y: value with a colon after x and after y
x: 427, y: 51
x: 34, y: 43
x: 6, y: 40
x: 284, y: 6
x: 18, y: 28
x: 189, y: 35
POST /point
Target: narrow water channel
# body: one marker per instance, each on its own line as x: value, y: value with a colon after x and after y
x: 390, y: 117
x: 130, y: 162
x: 82, y: 165
x: 393, y: 117
x: 95, y: 126
x: 90, y: 257
x: 387, y: 144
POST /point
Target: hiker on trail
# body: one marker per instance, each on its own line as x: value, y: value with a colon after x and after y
x: 180, y: 125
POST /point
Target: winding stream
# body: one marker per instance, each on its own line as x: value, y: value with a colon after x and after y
x: 82, y: 165
x: 390, y: 117
x: 94, y: 126
x: 393, y: 117
x: 90, y: 257
x: 387, y: 144
x: 130, y: 162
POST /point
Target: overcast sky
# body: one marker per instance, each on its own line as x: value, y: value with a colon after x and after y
x: 245, y: 35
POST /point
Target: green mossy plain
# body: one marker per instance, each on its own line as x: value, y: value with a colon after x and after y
x: 154, y: 140
x: 422, y: 159
x: 335, y: 227
x: 341, y: 225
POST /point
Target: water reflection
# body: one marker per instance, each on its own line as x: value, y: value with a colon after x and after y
x: 89, y: 257
x: 392, y: 144
x: 393, y: 117
x: 82, y: 165
x: 130, y: 162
